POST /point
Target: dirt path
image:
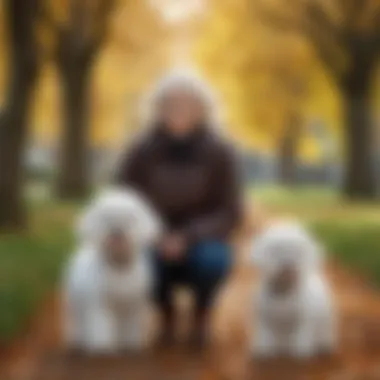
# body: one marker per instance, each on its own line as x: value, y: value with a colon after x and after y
x: 358, y: 359
x: 359, y: 349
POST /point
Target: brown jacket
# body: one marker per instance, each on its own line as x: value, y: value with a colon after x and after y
x: 193, y: 183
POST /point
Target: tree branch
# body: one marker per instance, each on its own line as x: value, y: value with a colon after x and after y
x: 102, y: 16
x: 22, y: 20
x: 78, y: 25
x: 327, y: 53
x: 315, y: 26
x: 354, y: 11
x: 318, y: 16
x: 47, y: 17
x: 375, y: 20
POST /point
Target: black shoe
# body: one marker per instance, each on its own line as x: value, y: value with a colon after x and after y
x: 165, y: 339
x: 199, y: 336
x: 199, y: 340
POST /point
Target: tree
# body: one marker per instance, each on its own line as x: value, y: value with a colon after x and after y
x: 78, y: 42
x: 133, y: 58
x: 287, y: 70
x: 103, y: 63
x: 263, y: 78
x: 22, y: 18
x: 288, y: 148
x: 346, y: 38
x: 292, y: 85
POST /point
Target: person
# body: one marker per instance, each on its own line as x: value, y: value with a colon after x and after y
x: 184, y: 166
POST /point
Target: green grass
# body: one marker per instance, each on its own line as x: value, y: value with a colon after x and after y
x: 350, y: 231
x: 30, y: 264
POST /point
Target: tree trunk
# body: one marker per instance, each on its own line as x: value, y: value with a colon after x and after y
x: 360, y: 177
x: 287, y: 154
x: 73, y: 173
x: 23, y: 63
x: 75, y: 55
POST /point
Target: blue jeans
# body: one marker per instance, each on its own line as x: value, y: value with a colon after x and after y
x: 202, y: 269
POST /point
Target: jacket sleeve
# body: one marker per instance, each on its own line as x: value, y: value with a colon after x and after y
x: 227, y: 214
x: 130, y: 167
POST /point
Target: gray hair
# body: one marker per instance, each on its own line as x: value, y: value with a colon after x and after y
x: 188, y: 82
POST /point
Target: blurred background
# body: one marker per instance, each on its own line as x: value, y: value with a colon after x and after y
x: 298, y: 85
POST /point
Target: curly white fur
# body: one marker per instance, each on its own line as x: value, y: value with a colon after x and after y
x: 105, y: 307
x: 301, y: 321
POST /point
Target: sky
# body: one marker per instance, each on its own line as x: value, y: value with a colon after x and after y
x: 179, y: 15
x: 178, y: 11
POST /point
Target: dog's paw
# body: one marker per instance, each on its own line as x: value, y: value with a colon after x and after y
x: 265, y: 346
x: 134, y: 344
x: 303, y: 349
x: 100, y: 348
x: 74, y: 352
x: 262, y: 350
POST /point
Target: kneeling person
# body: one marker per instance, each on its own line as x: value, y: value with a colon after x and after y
x: 189, y: 172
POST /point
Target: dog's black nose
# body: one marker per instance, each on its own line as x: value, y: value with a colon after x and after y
x: 285, y: 280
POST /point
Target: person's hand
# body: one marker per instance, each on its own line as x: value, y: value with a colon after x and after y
x: 172, y: 247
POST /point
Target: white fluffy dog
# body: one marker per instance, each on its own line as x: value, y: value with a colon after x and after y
x: 295, y: 314
x: 108, y: 281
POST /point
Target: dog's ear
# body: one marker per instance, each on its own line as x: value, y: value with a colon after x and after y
x: 258, y: 251
x: 149, y: 226
x: 316, y: 255
x: 87, y: 227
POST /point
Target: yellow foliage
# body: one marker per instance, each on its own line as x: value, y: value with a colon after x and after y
x: 263, y: 76
x: 133, y: 55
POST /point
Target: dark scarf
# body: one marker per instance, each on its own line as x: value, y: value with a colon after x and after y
x: 181, y: 148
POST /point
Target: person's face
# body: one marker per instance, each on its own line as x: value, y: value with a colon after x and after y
x: 180, y: 111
